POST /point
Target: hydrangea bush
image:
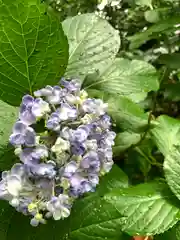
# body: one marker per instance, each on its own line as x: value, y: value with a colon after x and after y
x: 64, y: 160
x: 89, y: 120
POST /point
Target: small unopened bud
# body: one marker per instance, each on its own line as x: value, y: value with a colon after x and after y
x: 38, y: 216
x: 65, y: 183
x: 31, y: 207
x: 17, y: 151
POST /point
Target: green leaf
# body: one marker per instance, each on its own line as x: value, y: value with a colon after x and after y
x: 91, y: 218
x: 10, y: 220
x: 153, y: 32
x: 139, y: 162
x: 33, y: 49
x: 144, y: 2
x: 152, y: 16
x: 148, y: 208
x: 142, y: 156
x: 127, y: 115
x: 178, y: 232
x: 174, y: 1
x: 166, y: 134
x: 8, y: 116
x: 116, y: 178
x: 171, y: 91
x: 125, y: 140
x: 6, y: 213
x: 172, y: 234
x: 7, y: 157
x: 127, y: 78
x: 93, y: 44
x: 170, y: 60
x: 172, y: 168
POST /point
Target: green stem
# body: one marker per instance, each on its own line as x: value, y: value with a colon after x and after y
x: 153, y: 162
x: 163, y: 77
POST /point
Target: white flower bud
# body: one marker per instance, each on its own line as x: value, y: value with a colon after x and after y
x: 60, y: 145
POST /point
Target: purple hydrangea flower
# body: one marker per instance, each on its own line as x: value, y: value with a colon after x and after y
x: 105, y: 156
x: 33, y: 155
x: 22, y: 135
x: 40, y: 108
x: 53, y: 122
x: 63, y: 156
x: 104, y: 121
x: 67, y: 112
x: 70, y: 169
x: 66, y: 133
x: 94, y: 106
x: 44, y: 92
x: 26, y: 114
x: 108, y: 139
x: 42, y: 170
x: 31, y: 109
x: 71, y: 99
x: 72, y: 86
x: 77, y: 148
x: 59, y: 206
x: 93, y: 179
x: 81, y: 134
x: 14, y: 182
x: 55, y: 97
x: 27, y: 156
x: 90, y: 162
x: 35, y: 221
x: 79, y: 185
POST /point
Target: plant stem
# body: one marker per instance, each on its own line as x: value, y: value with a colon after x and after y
x: 163, y: 77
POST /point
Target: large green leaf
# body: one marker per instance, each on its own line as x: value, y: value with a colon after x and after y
x: 133, y: 79
x: 33, y: 49
x: 166, y: 134
x: 8, y: 116
x: 93, y: 44
x: 172, y: 168
x: 14, y: 225
x: 148, y: 208
x: 91, y: 218
x: 116, y: 178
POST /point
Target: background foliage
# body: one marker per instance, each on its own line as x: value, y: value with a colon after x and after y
x: 127, y: 53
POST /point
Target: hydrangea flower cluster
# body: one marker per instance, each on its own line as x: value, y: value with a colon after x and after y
x: 64, y: 144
